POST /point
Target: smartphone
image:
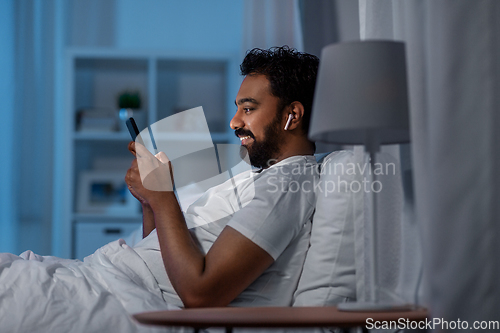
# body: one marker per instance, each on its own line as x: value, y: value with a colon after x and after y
x: 134, y: 132
x: 132, y: 128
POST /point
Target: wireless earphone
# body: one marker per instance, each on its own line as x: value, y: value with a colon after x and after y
x: 290, y: 117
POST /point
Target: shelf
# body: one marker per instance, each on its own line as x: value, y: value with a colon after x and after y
x: 89, y: 217
x: 221, y: 137
x: 169, y: 82
x: 91, y: 235
x: 124, y: 136
x: 190, y: 136
x: 107, y: 136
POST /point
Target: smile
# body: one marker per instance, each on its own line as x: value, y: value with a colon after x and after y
x: 245, y: 139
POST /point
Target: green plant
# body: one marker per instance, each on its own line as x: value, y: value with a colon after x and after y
x: 129, y: 100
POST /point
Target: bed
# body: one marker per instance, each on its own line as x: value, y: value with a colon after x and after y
x: 49, y: 294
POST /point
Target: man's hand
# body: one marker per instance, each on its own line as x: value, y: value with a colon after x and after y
x: 137, y: 189
x: 148, y: 175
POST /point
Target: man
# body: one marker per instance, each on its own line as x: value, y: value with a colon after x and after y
x: 262, y: 244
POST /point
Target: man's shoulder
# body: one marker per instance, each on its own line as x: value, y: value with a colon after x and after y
x: 293, y: 179
x: 294, y: 167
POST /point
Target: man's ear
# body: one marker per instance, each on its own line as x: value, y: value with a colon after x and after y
x: 296, y: 110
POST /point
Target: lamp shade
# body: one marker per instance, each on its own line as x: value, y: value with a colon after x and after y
x: 361, y: 94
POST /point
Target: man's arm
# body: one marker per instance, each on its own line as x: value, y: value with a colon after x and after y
x: 232, y: 263
x: 214, y: 279
x: 148, y: 220
x: 148, y: 223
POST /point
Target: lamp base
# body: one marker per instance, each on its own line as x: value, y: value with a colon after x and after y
x: 375, y: 307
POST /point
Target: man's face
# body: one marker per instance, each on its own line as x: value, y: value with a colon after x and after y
x: 257, y: 121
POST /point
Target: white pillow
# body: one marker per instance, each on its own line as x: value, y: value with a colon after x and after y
x: 328, y: 276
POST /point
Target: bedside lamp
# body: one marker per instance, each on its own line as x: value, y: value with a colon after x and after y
x: 361, y: 98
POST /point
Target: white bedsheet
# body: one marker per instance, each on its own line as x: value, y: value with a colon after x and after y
x: 49, y: 294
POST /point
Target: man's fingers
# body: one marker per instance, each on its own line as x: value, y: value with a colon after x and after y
x: 142, y: 151
x: 154, y: 171
x: 131, y: 147
x: 162, y: 157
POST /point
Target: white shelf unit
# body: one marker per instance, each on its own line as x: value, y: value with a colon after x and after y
x: 168, y: 82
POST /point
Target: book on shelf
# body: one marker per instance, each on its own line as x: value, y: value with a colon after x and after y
x: 96, y: 120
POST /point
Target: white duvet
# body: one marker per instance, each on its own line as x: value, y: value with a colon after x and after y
x: 49, y: 294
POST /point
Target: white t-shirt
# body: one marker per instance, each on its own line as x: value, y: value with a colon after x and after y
x: 273, y: 208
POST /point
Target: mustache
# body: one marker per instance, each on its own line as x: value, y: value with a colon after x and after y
x: 242, y: 132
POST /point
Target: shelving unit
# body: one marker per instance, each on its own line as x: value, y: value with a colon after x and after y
x: 168, y: 82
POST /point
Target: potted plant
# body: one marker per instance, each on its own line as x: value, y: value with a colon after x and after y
x: 129, y: 104
x: 129, y: 100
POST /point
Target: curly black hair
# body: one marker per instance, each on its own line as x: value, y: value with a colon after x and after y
x: 292, y: 75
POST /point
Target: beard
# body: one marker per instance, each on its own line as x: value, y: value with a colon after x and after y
x: 262, y: 154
